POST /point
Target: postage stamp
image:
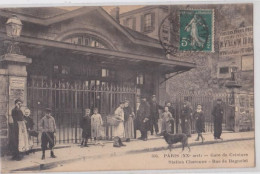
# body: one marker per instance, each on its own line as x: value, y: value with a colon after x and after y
x: 197, y: 30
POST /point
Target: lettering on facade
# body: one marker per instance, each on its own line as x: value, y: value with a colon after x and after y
x: 236, y: 42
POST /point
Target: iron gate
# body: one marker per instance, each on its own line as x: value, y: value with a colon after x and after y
x: 68, y: 101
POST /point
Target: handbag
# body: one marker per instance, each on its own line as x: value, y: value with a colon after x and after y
x: 33, y: 133
x: 112, y: 120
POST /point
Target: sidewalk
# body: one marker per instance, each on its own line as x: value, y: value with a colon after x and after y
x: 75, y: 153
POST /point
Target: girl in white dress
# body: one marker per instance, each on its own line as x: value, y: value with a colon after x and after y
x: 96, y: 125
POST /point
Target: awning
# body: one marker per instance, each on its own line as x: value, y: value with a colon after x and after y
x: 166, y: 66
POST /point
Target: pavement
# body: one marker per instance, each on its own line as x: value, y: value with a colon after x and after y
x: 70, y: 153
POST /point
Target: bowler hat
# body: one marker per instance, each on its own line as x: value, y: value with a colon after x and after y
x: 18, y: 100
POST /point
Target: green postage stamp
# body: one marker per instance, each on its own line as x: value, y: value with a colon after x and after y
x: 197, y: 30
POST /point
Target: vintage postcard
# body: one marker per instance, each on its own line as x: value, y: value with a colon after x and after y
x: 106, y: 88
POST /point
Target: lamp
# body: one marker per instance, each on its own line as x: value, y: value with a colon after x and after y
x: 13, y: 30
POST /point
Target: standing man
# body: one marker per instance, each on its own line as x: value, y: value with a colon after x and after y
x: 217, y: 113
x: 185, y: 119
x: 18, y: 117
x: 48, y: 128
x: 143, y: 116
x: 154, y: 115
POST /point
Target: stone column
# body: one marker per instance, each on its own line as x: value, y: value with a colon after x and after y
x: 14, y: 76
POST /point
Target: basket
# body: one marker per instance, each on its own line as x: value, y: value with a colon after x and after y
x: 112, y: 120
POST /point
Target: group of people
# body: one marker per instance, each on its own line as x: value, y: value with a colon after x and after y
x: 146, y: 119
x: 21, y: 127
x: 92, y: 125
x: 148, y: 116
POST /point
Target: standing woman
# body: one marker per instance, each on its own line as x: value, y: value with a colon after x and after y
x: 29, y: 125
x: 200, y: 122
x: 185, y: 119
x: 118, y: 130
x: 129, y: 121
x: 19, y: 137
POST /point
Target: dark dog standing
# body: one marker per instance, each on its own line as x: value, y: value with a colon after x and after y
x: 175, y: 138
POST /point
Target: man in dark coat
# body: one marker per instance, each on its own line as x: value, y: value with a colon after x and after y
x: 154, y: 115
x: 217, y: 113
x: 85, y: 124
x: 17, y: 115
x: 143, y: 116
x: 185, y: 119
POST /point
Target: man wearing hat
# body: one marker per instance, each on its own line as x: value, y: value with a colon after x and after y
x: 154, y: 115
x: 48, y: 128
x: 143, y: 117
x: 18, y: 117
x: 217, y: 113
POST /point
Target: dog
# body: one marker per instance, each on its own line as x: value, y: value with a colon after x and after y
x: 175, y: 138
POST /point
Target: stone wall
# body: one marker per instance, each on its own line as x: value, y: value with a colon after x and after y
x: 3, y: 108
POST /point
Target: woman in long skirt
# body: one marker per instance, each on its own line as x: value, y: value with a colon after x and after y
x: 29, y: 125
x: 129, y: 121
x: 200, y: 122
x: 185, y: 119
x: 118, y: 130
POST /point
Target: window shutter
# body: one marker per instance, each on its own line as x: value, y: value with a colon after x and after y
x: 134, y: 23
x: 142, y: 23
x: 153, y: 21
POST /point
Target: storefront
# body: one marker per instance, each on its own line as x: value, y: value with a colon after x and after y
x: 83, y: 59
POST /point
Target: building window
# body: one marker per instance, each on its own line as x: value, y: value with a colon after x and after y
x: 65, y: 70
x: 247, y: 63
x: 85, y: 40
x: 105, y: 72
x: 148, y: 23
x: 140, y: 79
x: 130, y: 23
x: 224, y: 70
x: 55, y: 69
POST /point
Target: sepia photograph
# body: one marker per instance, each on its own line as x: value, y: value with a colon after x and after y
x: 127, y: 87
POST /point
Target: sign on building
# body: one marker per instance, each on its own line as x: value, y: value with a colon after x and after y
x: 236, y: 42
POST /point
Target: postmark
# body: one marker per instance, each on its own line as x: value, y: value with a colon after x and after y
x: 196, y: 30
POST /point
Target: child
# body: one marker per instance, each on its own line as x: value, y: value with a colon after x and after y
x: 96, y: 123
x: 200, y: 122
x: 85, y: 125
x: 48, y: 128
x: 166, y: 118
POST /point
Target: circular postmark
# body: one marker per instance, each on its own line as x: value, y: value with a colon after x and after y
x: 187, y: 31
x: 169, y: 33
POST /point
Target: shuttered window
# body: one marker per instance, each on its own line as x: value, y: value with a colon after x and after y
x: 130, y: 23
x: 147, y: 22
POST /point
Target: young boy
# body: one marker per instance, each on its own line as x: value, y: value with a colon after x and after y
x: 48, y: 128
x: 85, y: 125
